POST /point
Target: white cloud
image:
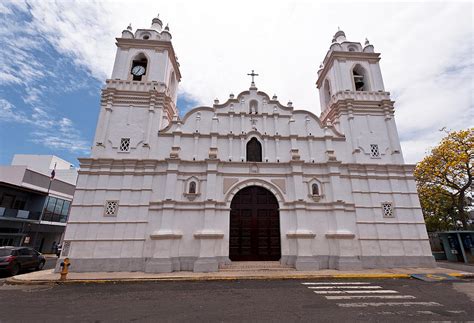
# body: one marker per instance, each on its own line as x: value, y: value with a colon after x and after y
x: 49, y: 131
x: 284, y: 41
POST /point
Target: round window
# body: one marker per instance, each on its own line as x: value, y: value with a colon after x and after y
x: 146, y: 37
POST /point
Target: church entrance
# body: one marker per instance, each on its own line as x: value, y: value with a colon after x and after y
x: 254, y: 226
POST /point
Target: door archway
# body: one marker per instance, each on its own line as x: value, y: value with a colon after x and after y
x: 254, y: 226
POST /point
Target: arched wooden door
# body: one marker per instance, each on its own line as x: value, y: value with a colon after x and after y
x: 254, y: 226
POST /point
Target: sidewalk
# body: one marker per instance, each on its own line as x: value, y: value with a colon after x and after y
x: 456, y: 265
x: 48, y: 276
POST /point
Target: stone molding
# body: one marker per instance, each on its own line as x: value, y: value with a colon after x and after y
x: 101, y: 166
x: 301, y: 234
x: 101, y: 240
x: 386, y: 222
x: 255, y: 182
x: 394, y: 239
x: 340, y: 235
x: 208, y: 234
x: 106, y: 222
x: 166, y: 234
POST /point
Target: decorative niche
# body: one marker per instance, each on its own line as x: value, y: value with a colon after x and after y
x: 192, y: 188
x: 315, y: 190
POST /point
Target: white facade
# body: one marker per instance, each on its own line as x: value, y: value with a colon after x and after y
x: 156, y: 193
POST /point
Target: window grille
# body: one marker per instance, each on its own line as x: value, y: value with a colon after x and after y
x: 387, y: 210
x: 374, y: 151
x: 66, y: 247
x: 111, y: 208
x: 125, y: 144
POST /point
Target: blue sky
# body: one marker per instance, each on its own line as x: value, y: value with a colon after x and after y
x: 53, y: 105
x: 56, y: 55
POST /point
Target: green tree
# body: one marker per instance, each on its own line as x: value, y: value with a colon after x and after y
x: 445, y: 179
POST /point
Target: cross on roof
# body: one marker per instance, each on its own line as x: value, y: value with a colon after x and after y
x: 252, y: 75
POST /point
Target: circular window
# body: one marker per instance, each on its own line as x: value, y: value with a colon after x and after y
x: 146, y: 37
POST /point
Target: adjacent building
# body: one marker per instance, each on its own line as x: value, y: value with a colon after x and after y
x: 34, y: 207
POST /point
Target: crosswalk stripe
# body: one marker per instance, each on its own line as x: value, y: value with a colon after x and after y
x: 355, y: 292
x: 372, y: 296
x: 344, y: 287
x: 346, y: 283
x: 389, y: 304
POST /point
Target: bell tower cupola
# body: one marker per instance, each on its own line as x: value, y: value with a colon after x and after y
x: 156, y: 23
x: 354, y: 100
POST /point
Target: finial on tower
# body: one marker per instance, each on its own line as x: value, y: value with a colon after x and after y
x: 156, y: 23
x: 167, y: 28
x: 339, y: 36
x: 129, y: 27
x: 366, y: 42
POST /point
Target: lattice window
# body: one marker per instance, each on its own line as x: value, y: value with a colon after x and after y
x: 111, y: 208
x: 374, y: 151
x: 125, y: 144
x: 387, y: 210
x: 66, y: 247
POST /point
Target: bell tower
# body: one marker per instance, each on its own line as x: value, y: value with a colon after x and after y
x: 354, y: 100
x: 140, y: 97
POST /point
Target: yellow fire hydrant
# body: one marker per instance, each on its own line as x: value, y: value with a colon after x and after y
x: 64, y: 268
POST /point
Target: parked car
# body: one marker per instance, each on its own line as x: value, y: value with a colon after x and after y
x: 14, y: 259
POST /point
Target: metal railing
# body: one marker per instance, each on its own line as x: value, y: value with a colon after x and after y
x: 19, y: 214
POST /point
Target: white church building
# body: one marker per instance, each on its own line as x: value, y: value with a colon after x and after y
x: 249, y: 179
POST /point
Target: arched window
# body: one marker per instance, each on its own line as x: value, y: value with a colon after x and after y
x: 327, y: 92
x: 254, y: 150
x: 361, y: 81
x: 314, y: 189
x: 139, y: 65
x: 192, y: 188
x: 253, y: 107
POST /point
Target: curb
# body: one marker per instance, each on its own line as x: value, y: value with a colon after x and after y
x: 15, y: 281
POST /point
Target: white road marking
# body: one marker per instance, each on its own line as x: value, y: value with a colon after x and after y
x: 346, y: 283
x: 372, y: 296
x: 389, y: 304
x: 344, y: 287
x: 355, y: 292
x: 427, y: 312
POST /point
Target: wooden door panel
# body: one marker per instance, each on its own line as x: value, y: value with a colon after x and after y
x: 254, y: 225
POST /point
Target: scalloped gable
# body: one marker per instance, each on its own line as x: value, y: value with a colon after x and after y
x: 254, y: 105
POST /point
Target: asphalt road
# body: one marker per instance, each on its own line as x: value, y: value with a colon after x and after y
x: 282, y: 301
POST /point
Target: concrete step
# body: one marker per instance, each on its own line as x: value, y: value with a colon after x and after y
x: 255, y: 266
